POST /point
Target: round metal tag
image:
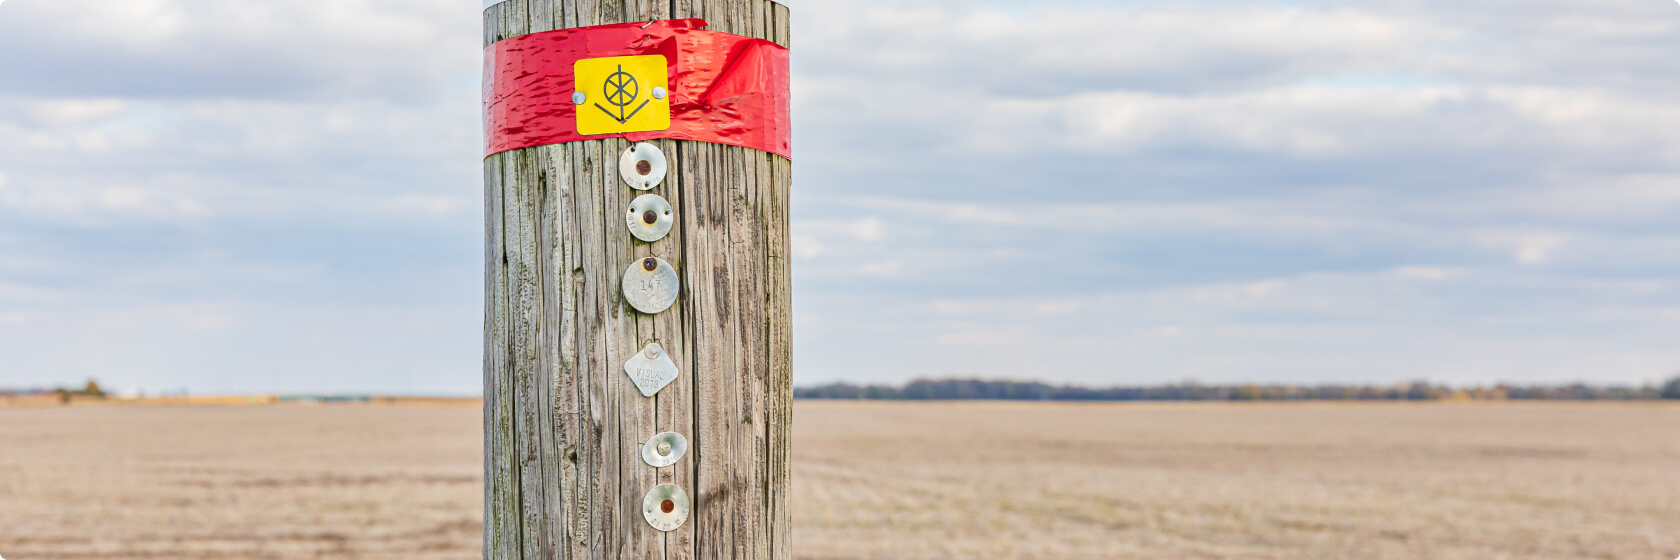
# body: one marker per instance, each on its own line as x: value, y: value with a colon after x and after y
x: 642, y: 166
x: 664, y: 449
x: 665, y: 507
x: 649, y: 217
x: 650, y: 285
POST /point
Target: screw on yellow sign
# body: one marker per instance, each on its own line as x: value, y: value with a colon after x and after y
x: 621, y: 94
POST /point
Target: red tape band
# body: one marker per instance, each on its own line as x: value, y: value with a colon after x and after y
x: 726, y: 89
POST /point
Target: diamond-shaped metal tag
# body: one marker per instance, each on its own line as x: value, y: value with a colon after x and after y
x: 651, y: 370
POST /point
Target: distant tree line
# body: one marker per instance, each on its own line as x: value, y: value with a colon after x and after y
x: 974, y: 389
x: 64, y: 394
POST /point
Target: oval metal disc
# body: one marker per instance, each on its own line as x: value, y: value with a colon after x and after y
x: 651, y: 370
x: 665, y: 507
x: 650, y: 289
x: 642, y: 166
x: 664, y: 449
x: 649, y: 206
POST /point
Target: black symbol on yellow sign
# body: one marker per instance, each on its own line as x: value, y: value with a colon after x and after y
x: 633, y: 94
x: 621, y: 90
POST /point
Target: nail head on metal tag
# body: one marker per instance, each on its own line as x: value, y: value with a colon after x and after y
x: 649, y: 217
x: 664, y: 449
x: 651, y: 370
x: 665, y: 507
x: 650, y: 285
x: 642, y: 166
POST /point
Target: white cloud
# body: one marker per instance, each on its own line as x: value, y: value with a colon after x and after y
x: 867, y: 229
x: 208, y: 49
x: 1425, y: 273
x: 1165, y: 330
x: 806, y: 247
x: 1360, y: 327
x: 1262, y: 289
x: 1537, y: 249
x: 1316, y: 190
x: 1054, y: 308
x: 23, y: 293
x: 248, y: 347
x: 882, y: 268
x: 74, y: 111
x: 960, y: 307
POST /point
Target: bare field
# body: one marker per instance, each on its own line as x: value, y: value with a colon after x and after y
x: 889, y: 481
x: 1286, y: 481
x: 248, y: 481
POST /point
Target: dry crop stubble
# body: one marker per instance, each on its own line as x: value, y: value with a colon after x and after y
x: 239, y: 482
x: 890, y: 481
x: 1000, y: 480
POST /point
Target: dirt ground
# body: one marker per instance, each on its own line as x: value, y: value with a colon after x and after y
x: 889, y: 481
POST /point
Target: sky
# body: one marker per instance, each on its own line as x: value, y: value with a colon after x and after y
x: 284, y: 195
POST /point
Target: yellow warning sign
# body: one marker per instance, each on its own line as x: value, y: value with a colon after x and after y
x: 621, y: 94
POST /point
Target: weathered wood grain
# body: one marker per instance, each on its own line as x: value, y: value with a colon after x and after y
x: 499, y: 479
x: 674, y: 408
x: 563, y: 424
x: 526, y: 335
x: 780, y: 380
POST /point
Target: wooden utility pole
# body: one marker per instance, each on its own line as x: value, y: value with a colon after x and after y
x: 564, y: 424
